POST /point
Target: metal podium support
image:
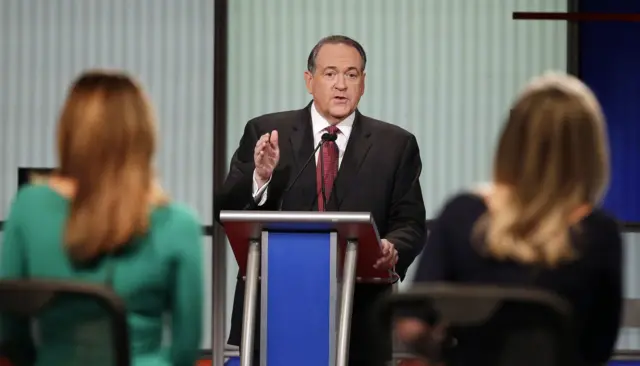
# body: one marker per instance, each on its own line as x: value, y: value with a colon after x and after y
x: 346, y: 302
x: 250, y: 301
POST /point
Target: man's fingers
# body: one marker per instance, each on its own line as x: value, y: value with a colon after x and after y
x: 273, y: 138
x: 270, y: 162
x: 389, y: 258
x: 262, y: 141
x: 259, y: 153
x: 382, y: 262
x: 271, y: 148
x: 272, y: 153
x: 378, y: 263
x: 386, y: 251
x: 260, y: 146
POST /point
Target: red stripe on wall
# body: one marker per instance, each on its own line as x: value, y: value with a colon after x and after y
x: 578, y: 17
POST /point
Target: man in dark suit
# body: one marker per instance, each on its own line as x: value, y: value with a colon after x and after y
x: 372, y: 166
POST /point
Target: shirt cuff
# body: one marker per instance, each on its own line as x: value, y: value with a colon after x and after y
x: 259, y: 195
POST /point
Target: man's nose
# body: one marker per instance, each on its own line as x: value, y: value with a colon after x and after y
x: 340, y: 83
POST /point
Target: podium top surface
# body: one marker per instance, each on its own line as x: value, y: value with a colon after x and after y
x: 350, y: 225
x: 266, y: 217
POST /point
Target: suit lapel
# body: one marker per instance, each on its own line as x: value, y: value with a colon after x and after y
x: 302, y: 194
x: 357, y: 148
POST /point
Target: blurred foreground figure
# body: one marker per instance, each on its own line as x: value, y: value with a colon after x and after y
x: 103, y: 218
x: 538, y: 223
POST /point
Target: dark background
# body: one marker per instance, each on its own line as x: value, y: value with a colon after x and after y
x: 609, y: 62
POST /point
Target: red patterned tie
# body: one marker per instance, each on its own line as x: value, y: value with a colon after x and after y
x: 329, y: 151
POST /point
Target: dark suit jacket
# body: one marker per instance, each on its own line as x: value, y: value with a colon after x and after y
x: 379, y: 173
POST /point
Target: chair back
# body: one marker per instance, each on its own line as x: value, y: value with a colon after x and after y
x: 62, y: 323
x: 487, y: 325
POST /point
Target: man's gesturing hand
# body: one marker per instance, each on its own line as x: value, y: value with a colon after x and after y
x: 266, y: 156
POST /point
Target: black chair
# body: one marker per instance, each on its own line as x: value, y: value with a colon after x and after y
x: 73, y: 323
x: 485, y: 325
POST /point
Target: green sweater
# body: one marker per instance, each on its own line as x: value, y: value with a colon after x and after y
x: 158, y: 274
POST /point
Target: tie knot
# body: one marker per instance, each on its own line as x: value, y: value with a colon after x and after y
x: 333, y: 130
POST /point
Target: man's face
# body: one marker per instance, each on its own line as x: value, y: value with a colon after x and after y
x: 337, y: 82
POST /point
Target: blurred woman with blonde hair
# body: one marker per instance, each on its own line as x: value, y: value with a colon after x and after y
x: 103, y: 218
x: 538, y: 223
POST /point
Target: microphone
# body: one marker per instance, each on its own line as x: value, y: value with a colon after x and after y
x: 326, y: 137
x: 329, y: 137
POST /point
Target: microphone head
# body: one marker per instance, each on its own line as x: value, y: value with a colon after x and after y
x: 329, y: 137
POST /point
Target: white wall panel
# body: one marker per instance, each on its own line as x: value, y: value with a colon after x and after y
x: 630, y: 337
x: 167, y: 44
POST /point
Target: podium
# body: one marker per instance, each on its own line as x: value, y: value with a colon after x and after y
x: 305, y: 265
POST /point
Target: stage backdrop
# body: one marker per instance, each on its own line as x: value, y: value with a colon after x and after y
x: 610, y: 64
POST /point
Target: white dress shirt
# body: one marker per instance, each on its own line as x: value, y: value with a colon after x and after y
x: 319, y: 125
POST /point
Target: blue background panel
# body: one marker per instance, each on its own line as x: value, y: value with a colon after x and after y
x: 298, y: 286
x: 610, y: 65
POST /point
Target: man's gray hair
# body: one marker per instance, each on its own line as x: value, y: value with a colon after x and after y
x: 335, y: 39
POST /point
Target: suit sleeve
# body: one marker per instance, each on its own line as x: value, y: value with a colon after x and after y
x: 407, y: 227
x: 187, y: 296
x: 13, y: 266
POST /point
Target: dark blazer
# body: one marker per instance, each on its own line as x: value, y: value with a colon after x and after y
x: 379, y: 173
x: 592, y: 283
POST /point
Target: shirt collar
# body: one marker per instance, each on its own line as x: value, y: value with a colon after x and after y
x: 319, y: 123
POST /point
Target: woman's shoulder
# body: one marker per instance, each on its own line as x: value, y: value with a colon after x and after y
x: 31, y: 194
x: 35, y: 190
x: 176, y: 227
x: 176, y: 216
x: 468, y: 201
x: 602, y: 222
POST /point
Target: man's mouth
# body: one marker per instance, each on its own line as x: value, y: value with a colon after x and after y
x: 340, y: 99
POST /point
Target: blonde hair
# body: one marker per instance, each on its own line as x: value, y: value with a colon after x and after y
x: 106, y: 144
x: 550, y: 168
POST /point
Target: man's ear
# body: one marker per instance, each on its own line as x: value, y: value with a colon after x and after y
x: 308, y: 80
x: 364, y: 76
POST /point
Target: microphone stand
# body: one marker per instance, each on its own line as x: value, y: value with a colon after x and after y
x: 322, y: 188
